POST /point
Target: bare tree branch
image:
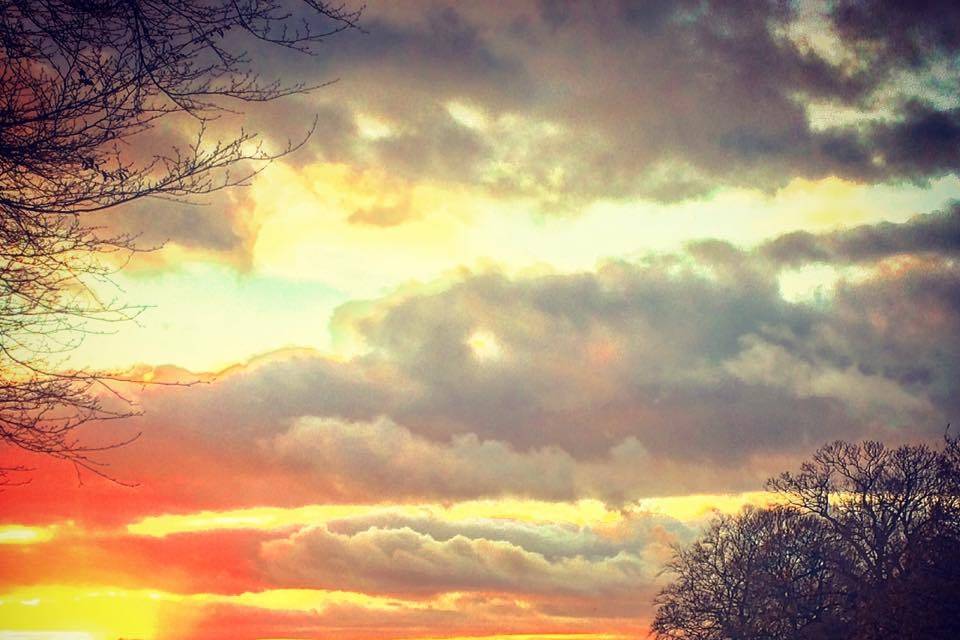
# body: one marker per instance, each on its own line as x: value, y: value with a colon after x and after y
x: 80, y: 84
x: 865, y: 546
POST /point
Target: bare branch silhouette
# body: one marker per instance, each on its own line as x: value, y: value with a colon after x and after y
x: 864, y: 545
x: 80, y: 83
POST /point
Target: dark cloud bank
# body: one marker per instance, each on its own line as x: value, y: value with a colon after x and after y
x: 582, y: 101
x: 657, y: 99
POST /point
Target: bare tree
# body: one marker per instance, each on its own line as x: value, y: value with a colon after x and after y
x: 763, y: 573
x: 864, y: 545
x: 81, y: 85
x: 887, y: 508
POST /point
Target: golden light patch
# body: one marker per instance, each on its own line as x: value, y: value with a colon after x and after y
x: 310, y: 600
x: 826, y: 203
x: 580, y: 513
x: 485, y: 346
x: 323, y: 222
x: 699, y: 506
x: 818, y: 282
x: 57, y: 612
x: 468, y: 116
x: 53, y: 612
x: 372, y: 127
x: 46, y: 635
x: 259, y: 518
x: 808, y: 283
x: 19, y: 534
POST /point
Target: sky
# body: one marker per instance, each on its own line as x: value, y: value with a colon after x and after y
x: 550, y: 282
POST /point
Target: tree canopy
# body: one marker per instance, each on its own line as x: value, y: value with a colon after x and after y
x: 863, y: 543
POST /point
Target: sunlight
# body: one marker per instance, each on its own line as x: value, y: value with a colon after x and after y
x: 75, y: 613
x: 18, y: 534
x: 485, y: 346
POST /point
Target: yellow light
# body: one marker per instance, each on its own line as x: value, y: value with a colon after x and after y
x: 485, y: 346
x: 468, y: 116
x: 54, y: 612
x: 308, y: 600
x: 372, y: 127
x: 699, y: 506
x: 808, y: 283
x: 57, y: 612
x: 581, y: 513
x: 19, y: 534
x: 46, y: 635
x: 258, y: 518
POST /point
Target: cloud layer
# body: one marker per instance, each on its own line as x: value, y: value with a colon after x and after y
x: 677, y: 372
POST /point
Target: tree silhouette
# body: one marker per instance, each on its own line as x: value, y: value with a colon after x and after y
x: 864, y: 544
x: 82, y: 84
x: 762, y: 573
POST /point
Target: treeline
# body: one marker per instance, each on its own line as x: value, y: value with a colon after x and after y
x: 862, y: 544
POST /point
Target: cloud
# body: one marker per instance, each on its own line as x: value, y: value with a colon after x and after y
x: 375, y: 455
x: 556, y: 106
x: 367, y: 460
x: 769, y: 364
x: 666, y: 101
x: 668, y: 374
x: 477, y: 558
x: 633, y: 532
x: 901, y: 35
x: 600, y: 101
x: 933, y: 233
x: 589, y: 360
x: 155, y: 222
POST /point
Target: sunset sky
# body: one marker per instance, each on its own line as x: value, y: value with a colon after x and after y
x: 550, y: 281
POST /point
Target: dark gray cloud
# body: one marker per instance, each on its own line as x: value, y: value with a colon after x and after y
x: 586, y: 101
x: 904, y: 328
x: 661, y: 100
x: 934, y: 233
x: 901, y: 33
x: 433, y: 144
x: 924, y: 143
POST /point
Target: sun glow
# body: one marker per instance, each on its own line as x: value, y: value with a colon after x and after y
x: 485, y: 346
x: 18, y: 534
x: 74, y: 613
x: 695, y: 507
